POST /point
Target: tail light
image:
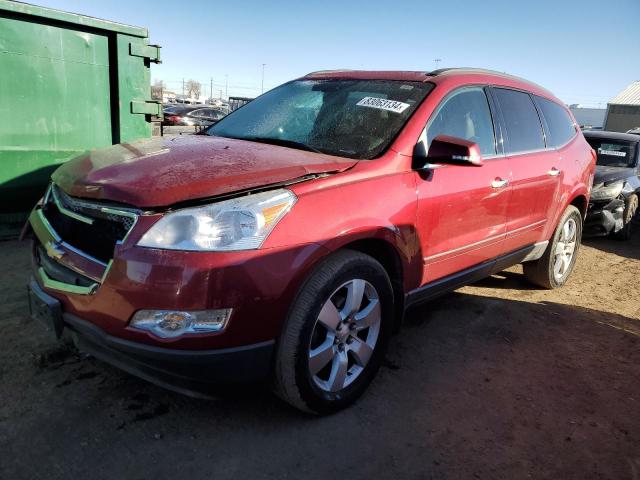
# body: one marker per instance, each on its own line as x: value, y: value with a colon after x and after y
x: 174, y: 118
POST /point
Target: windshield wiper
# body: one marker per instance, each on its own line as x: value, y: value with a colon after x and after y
x: 283, y: 143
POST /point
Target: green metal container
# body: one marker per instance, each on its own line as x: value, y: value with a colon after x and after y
x: 68, y: 84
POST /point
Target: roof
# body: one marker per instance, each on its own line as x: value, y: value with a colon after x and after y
x: 611, y: 135
x: 436, y: 76
x: 628, y: 96
x: 54, y: 15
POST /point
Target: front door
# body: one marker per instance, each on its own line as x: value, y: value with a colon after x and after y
x: 462, y: 210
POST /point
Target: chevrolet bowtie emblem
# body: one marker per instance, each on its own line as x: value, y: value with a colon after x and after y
x: 53, y: 250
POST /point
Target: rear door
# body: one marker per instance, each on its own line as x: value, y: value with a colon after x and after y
x: 535, y: 168
x: 462, y: 210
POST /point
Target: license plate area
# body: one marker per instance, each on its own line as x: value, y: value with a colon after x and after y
x: 45, y: 309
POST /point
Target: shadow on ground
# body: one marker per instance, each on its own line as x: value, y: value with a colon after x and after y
x: 629, y: 249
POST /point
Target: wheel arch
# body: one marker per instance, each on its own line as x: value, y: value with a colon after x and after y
x: 389, y: 257
x: 581, y: 203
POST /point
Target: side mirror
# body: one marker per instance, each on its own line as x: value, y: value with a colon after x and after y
x: 448, y: 150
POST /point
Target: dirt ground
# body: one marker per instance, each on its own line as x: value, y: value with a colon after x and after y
x: 498, y: 380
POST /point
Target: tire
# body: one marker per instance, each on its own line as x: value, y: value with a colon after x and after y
x: 630, y: 210
x: 541, y: 272
x: 319, y: 303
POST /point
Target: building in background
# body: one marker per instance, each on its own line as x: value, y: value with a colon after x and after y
x: 588, y: 117
x: 623, y: 112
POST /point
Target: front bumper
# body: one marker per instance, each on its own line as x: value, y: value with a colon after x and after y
x: 258, y: 285
x: 190, y: 372
x: 604, y: 218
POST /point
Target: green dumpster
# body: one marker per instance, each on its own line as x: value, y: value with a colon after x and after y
x: 68, y: 83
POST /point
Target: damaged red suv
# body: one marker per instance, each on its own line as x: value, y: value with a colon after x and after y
x: 286, y: 242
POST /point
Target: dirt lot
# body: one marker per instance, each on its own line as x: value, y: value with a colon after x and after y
x: 498, y: 380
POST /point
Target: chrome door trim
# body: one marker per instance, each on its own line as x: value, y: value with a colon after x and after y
x: 526, y: 227
x: 464, y: 247
x: 481, y: 242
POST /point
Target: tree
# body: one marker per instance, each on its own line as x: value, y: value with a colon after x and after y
x: 193, y: 89
x: 157, y: 89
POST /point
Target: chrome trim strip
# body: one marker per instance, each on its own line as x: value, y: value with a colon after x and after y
x: 486, y: 240
x: 82, y: 254
x: 527, y: 227
x: 464, y: 247
x: 49, y: 234
x: 122, y: 213
x: 52, y: 284
x: 67, y: 212
x: 106, y: 271
x: 45, y: 199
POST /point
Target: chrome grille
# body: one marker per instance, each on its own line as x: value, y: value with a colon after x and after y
x: 94, y: 228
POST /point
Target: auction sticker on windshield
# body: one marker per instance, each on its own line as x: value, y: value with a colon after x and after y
x: 383, y: 104
x: 613, y: 153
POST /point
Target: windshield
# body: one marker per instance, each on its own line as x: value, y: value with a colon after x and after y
x: 348, y: 118
x: 613, y: 153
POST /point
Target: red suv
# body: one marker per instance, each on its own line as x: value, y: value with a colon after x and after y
x: 286, y: 242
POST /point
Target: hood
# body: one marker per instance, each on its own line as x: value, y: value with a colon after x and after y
x: 605, y: 174
x: 163, y: 171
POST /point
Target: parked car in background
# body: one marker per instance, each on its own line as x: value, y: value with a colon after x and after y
x: 193, y: 115
x: 286, y: 242
x: 616, y: 186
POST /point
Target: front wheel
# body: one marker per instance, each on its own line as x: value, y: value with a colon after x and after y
x: 552, y: 270
x: 335, y: 335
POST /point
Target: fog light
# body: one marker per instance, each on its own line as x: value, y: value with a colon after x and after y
x: 172, y: 324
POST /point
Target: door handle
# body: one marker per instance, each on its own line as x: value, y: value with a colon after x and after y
x: 499, y: 183
x: 554, y: 172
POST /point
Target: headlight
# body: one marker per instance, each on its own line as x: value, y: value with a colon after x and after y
x: 238, y: 224
x: 606, y: 192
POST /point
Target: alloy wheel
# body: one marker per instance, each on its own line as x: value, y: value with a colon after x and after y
x: 565, y: 249
x: 344, y: 335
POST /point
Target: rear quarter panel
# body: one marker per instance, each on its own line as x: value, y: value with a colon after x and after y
x: 578, y: 168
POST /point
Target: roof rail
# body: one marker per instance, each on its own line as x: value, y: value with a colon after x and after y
x: 442, y: 71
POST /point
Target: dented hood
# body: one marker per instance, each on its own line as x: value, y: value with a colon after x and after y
x: 163, y: 171
x: 606, y: 174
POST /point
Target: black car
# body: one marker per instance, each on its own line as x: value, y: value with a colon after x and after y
x: 195, y: 115
x: 616, y: 185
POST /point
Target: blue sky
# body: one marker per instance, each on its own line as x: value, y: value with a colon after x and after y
x: 583, y: 51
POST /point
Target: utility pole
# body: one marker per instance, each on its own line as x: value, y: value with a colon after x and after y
x: 437, y: 62
x: 263, y: 77
x: 211, y: 88
x: 183, y: 88
x: 226, y: 86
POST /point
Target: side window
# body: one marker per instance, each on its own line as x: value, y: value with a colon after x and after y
x: 561, y: 127
x: 524, y: 130
x: 465, y: 115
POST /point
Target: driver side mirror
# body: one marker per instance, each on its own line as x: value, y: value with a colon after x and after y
x: 447, y: 150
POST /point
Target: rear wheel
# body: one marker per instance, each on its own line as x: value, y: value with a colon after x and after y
x: 628, y: 216
x: 335, y: 335
x: 552, y: 270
